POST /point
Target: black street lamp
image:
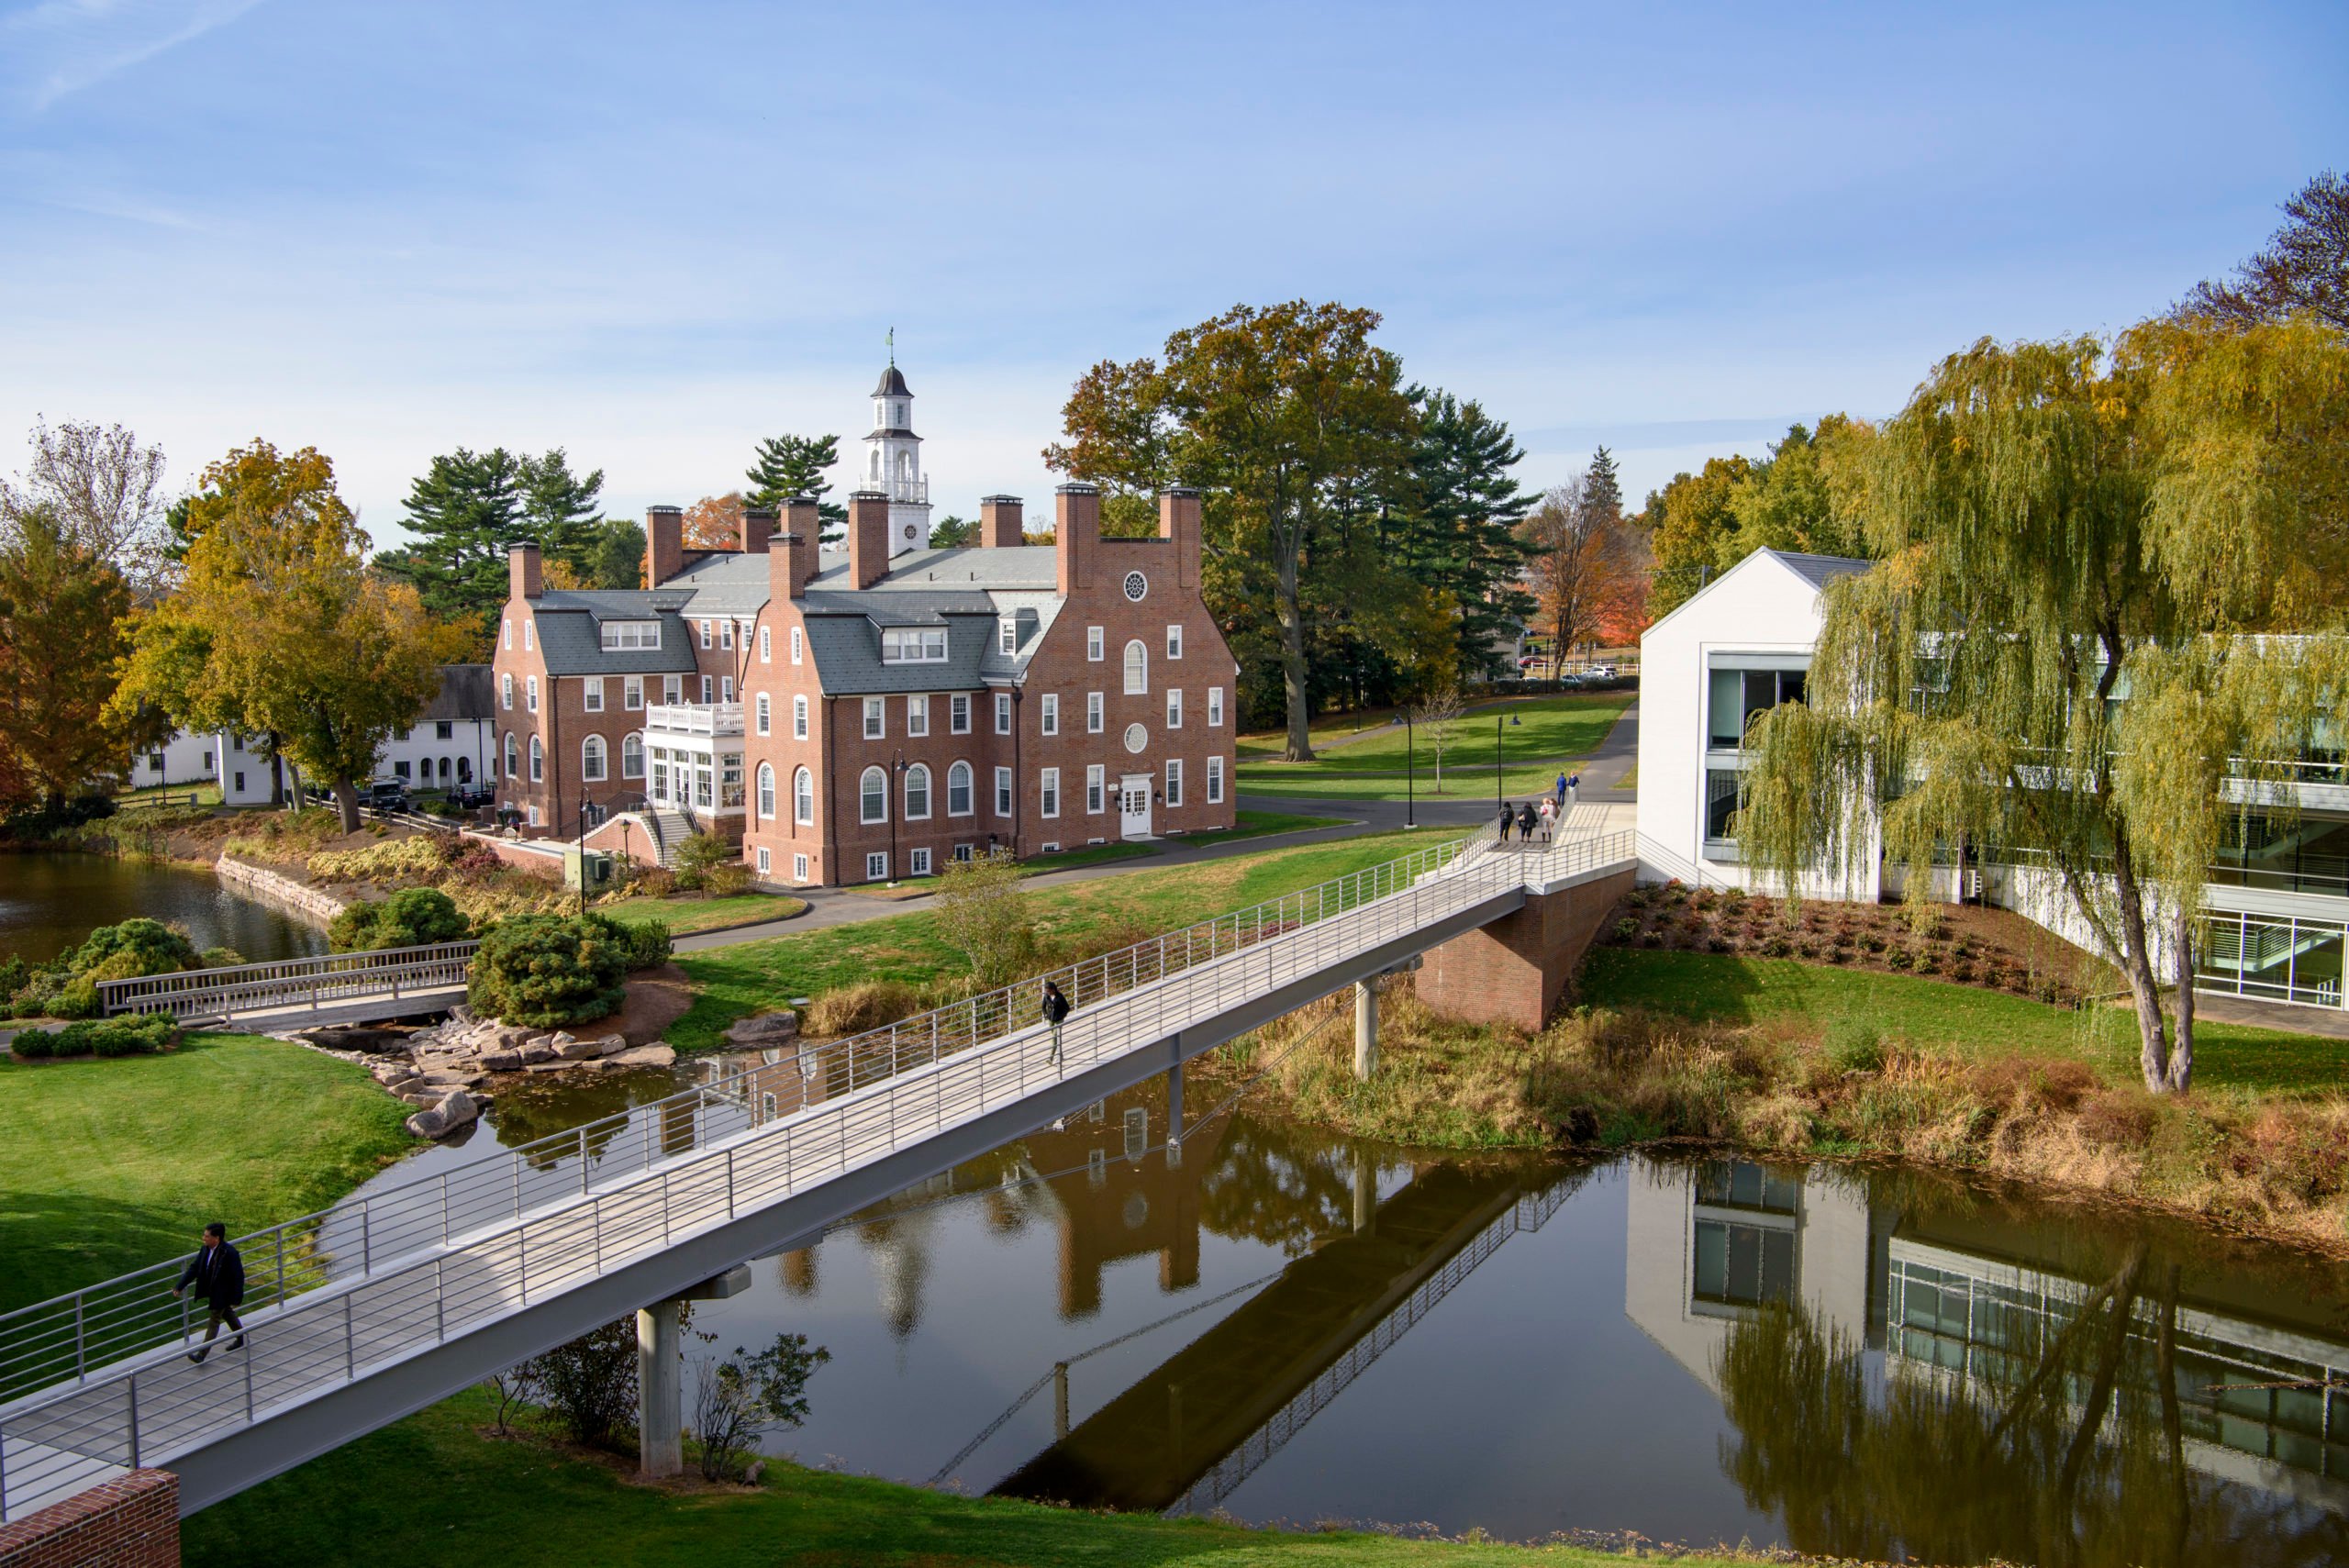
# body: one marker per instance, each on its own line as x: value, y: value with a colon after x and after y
x: 582, y: 859
x: 1411, y: 774
x: 897, y: 799
x: 1514, y: 722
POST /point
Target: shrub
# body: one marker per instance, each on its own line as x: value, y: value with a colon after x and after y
x: 546, y: 971
x: 14, y: 977
x: 1854, y: 1045
x: 1871, y: 942
x: 1839, y: 955
x: 426, y: 854
x: 982, y: 915
x: 152, y: 947
x: 653, y: 881
x: 868, y: 1004
x: 735, y: 1398
x: 412, y: 917
x: 1899, y: 958
x: 589, y: 1384
x: 1927, y: 961
x: 1777, y: 947
x: 1626, y: 929
x: 697, y: 854
x: 725, y: 877
x: 647, y: 942
x: 132, y: 1036
x: 220, y: 958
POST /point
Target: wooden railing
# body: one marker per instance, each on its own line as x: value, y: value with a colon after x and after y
x: 388, y: 973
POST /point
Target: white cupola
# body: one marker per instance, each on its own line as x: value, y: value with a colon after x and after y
x: 892, y: 464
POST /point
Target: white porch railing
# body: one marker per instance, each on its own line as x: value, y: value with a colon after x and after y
x: 696, y: 717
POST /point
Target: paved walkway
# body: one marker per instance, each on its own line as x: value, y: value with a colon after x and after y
x: 828, y: 907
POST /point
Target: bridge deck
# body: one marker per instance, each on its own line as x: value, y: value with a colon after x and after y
x: 383, y: 1306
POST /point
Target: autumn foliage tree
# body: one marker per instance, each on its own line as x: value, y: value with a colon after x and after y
x: 280, y: 630
x: 64, y: 629
x: 715, y: 522
x: 1588, y: 564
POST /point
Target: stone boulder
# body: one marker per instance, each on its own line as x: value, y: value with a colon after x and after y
x: 657, y: 1054
x: 610, y: 1044
x: 538, y: 1050
x: 455, y: 1109
x: 572, y: 1050
x: 500, y: 1061
x: 766, y: 1029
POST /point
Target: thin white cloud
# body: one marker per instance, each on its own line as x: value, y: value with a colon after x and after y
x: 64, y: 46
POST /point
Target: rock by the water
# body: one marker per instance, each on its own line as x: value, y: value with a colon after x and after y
x: 455, y: 1109
x: 657, y: 1054
x: 766, y: 1029
x: 578, y: 1051
x: 537, y: 1050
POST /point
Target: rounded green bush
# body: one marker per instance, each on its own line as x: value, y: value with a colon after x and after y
x: 412, y: 917
x: 546, y: 970
x: 153, y: 948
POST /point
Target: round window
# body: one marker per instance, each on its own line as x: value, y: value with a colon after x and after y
x: 1136, y: 586
x: 909, y: 530
x: 1136, y: 738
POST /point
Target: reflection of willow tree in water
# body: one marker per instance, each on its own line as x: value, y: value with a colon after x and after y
x: 1283, y: 1187
x: 2064, y: 1447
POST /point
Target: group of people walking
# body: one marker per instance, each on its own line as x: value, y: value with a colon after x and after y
x: 1542, y: 818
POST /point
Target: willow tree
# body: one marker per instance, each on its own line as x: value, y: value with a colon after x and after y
x: 2109, y: 580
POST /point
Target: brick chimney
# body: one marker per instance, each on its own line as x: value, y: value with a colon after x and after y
x: 1178, y: 520
x: 789, y: 569
x: 868, y: 537
x: 523, y: 569
x: 1002, y: 521
x: 758, y: 528
x: 1076, y: 526
x: 664, y: 544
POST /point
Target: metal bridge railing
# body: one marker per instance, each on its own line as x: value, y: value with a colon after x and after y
x: 293, y: 982
x: 96, y: 1378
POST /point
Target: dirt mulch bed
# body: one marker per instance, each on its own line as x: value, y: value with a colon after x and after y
x: 1996, y: 950
x: 656, y: 998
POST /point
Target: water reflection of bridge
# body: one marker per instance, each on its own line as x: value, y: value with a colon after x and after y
x: 1187, y: 1433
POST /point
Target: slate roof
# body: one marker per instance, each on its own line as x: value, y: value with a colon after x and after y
x: 847, y: 656
x: 570, y: 638
x: 1821, y: 569
x: 893, y: 383
x: 467, y: 692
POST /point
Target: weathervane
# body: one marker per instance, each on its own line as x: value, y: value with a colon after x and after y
x: 893, y: 344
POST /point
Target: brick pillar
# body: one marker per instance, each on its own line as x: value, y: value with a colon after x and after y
x: 1076, y: 529
x: 132, y: 1521
x: 664, y: 544
x: 868, y: 538
x: 757, y: 529
x: 1002, y: 522
x: 1515, y: 971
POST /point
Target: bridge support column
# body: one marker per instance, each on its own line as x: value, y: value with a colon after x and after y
x: 1059, y: 1400
x: 1365, y: 1191
x: 661, y: 1372
x: 1174, y: 1103
x: 1516, y: 970
x: 1366, y: 1029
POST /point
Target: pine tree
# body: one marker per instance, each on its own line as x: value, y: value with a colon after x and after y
x: 786, y: 466
x: 1602, y: 486
x: 1456, y: 523
x: 950, y: 530
x: 468, y: 507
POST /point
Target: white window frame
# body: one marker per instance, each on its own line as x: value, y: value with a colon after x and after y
x: 628, y: 636
x: 632, y: 694
x: 672, y: 689
x: 704, y: 634
x: 766, y: 861
x: 1214, y: 707
x: 800, y: 716
x: 876, y: 865
x: 1007, y: 634
x: 506, y: 637
x: 531, y: 694
x: 1096, y: 708
x: 709, y: 690
x: 803, y: 800
x: 1174, y: 640
x: 1215, y: 779
x: 969, y: 777
x: 505, y: 692
x: 1003, y: 800
x: 1096, y: 789
x: 1136, y: 666
x: 1049, y: 716
x: 762, y: 708
x: 766, y: 652
x: 595, y: 760
x: 590, y: 693
x: 538, y: 761
x: 766, y: 793
x: 1096, y: 644
x: 527, y: 626
x: 958, y: 714
x: 865, y: 796
x: 876, y: 718
x: 1003, y: 713
x: 917, y: 714
x: 799, y: 644
x: 913, y: 645
x: 1052, y: 792
x: 919, y: 860
x: 1174, y: 783
x: 1174, y: 708
x: 633, y: 743
x: 906, y: 804
x: 726, y: 634
x: 726, y: 685
x: 799, y: 867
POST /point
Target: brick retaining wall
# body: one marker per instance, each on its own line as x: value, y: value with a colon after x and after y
x: 131, y: 1522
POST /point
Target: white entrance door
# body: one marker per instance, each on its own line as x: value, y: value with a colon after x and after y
x: 1133, y: 806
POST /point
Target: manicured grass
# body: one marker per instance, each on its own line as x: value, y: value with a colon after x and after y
x: 187, y: 793
x: 1263, y: 824
x: 109, y: 1165
x: 732, y: 982
x: 1551, y: 735
x: 452, y: 1494
x: 1330, y: 727
x: 1086, y: 855
x: 685, y: 915
x: 1631, y: 780
x: 1964, y: 1018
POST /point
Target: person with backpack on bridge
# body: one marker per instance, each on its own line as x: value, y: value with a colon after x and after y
x: 1055, y: 1009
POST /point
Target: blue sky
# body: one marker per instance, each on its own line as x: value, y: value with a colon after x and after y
x: 652, y: 234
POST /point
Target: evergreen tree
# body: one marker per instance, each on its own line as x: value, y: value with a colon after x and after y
x: 786, y: 466
x: 468, y: 506
x: 1455, y: 524
x: 617, y: 559
x: 950, y: 530
x: 1602, y: 487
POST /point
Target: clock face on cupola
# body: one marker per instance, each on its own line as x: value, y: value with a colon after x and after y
x: 893, y: 460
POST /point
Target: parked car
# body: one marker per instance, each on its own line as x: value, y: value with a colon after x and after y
x: 388, y: 795
x: 469, y: 795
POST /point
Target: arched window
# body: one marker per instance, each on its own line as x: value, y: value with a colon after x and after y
x: 803, y: 798
x: 766, y: 792
x: 1137, y: 667
x: 513, y: 757
x: 916, y: 793
x: 873, y: 797
x: 591, y: 758
x: 631, y: 756
x: 958, y: 790
x: 538, y: 761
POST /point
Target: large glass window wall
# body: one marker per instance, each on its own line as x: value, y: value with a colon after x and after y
x: 2271, y: 957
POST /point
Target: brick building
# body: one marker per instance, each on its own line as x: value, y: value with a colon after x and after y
x: 867, y: 713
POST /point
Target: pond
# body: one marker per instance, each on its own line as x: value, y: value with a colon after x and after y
x: 1292, y: 1327
x: 51, y: 902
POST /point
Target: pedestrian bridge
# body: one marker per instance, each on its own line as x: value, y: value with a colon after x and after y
x: 298, y: 993
x: 361, y: 1314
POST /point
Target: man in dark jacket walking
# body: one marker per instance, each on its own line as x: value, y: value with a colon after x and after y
x: 1055, y: 1009
x: 218, y: 1273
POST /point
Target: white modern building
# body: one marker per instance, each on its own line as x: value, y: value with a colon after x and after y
x: 2279, y: 899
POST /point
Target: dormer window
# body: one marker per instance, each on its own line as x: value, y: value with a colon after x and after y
x: 625, y: 635
x: 913, y: 645
x: 1006, y: 633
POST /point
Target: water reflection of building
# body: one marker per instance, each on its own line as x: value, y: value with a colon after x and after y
x: 1944, y: 1295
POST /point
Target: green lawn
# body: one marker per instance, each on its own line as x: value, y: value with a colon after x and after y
x: 731, y: 982
x: 1263, y: 824
x: 1329, y: 728
x: 1935, y: 1012
x: 685, y: 915
x: 1086, y: 855
x: 429, y: 1491
x: 109, y: 1165
x: 191, y: 794
x: 1551, y: 735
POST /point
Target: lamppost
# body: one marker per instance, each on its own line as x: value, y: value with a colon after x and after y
x: 897, y: 799
x: 1514, y: 722
x: 582, y: 859
x: 1411, y: 774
